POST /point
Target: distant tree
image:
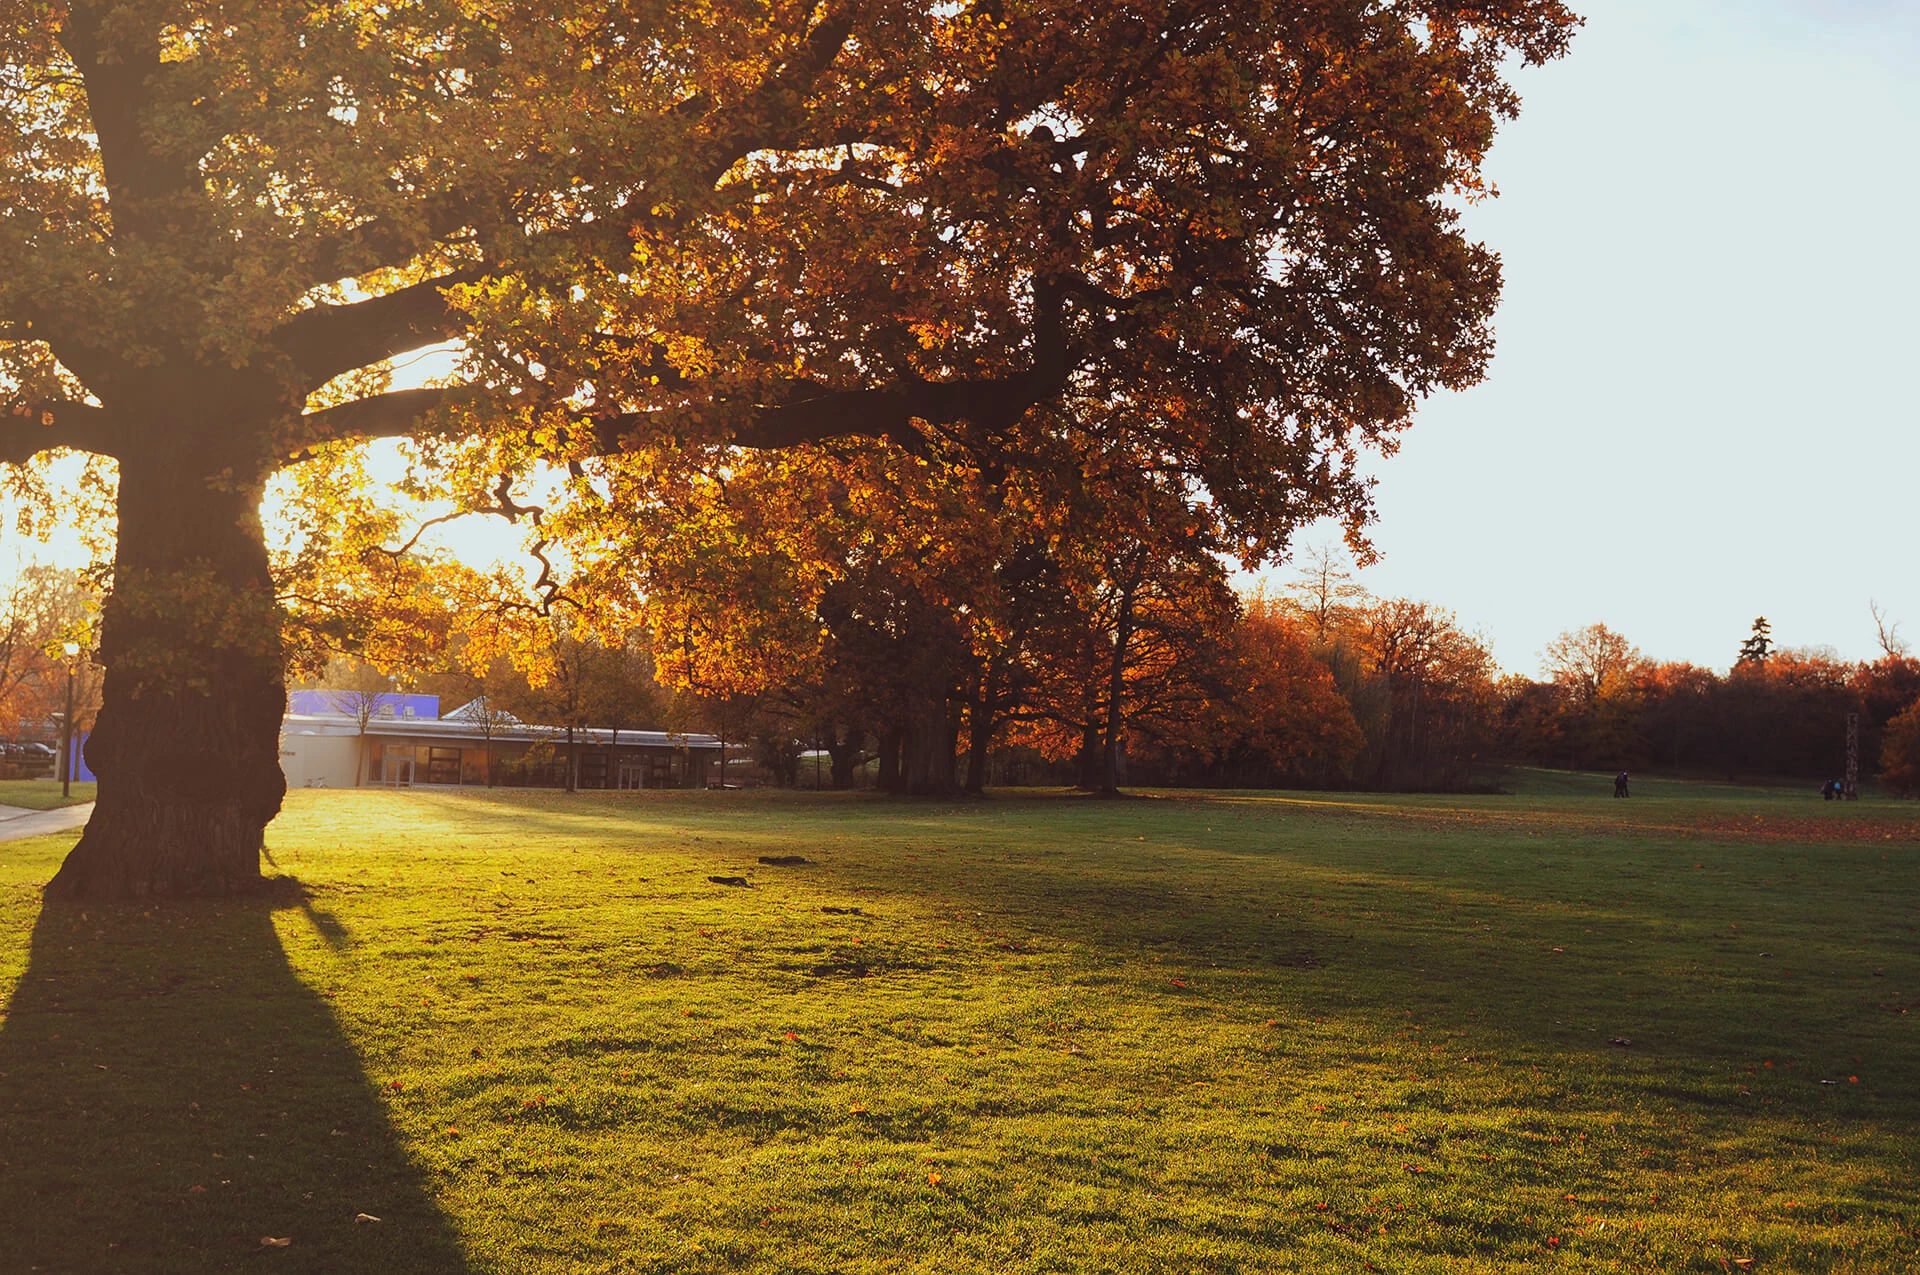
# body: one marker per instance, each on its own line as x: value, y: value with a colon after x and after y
x: 1759, y: 643
x: 488, y: 694
x: 1323, y: 586
x: 1900, y: 753
x: 1284, y: 717
x: 1437, y: 696
x: 356, y: 689
x: 41, y: 610
x: 1677, y: 713
x: 622, y: 695
x: 1892, y: 645
x: 1582, y: 661
x: 1594, y: 669
x: 562, y: 686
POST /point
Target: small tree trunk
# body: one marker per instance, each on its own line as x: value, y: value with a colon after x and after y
x: 572, y: 768
x: 844, y: 753
x: 980, y: 729
x: 1114, y: 737
x: 187, y: 742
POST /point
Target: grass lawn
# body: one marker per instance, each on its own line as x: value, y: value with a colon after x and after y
x: 1193, y: 1032
x: 41, y: 794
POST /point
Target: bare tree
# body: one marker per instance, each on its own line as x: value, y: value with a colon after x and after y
x: 1323, y: 587
x: 1892, y: 645
x: 358, y: 691
x: 490, y: 719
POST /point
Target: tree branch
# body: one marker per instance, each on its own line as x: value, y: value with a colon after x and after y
x: 381, y: 416
x: 811, y: 413
x: 384, y: 242
x: 31, y: 428
x: 770, y: 115
x: 331, y: 339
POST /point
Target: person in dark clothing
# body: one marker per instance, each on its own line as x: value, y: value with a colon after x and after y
x: 1828, y: 789
x: 1620, y: 784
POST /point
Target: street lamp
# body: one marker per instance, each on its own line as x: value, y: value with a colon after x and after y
x: 72, y: 650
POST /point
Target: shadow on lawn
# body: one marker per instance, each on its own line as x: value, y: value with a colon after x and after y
x: 171, y: 1094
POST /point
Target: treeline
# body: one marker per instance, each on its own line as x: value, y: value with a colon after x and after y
x: 941, y: 628
x: 1321, y: 685
x: 1776, y: 712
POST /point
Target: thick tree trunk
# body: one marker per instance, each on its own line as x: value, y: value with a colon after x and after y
x: 187, y: 742
x: 845, y: 754
x: 888, y: 779
x: 928, y: 750
x: 1087, y: 761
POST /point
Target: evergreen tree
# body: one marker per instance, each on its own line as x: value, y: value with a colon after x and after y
x: 1759, y: 643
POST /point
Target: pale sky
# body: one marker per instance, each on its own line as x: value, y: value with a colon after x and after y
x: 1703, y: 405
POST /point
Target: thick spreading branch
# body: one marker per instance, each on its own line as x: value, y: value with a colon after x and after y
x: 811, y: 413
x: 393, y: 415
x: 31, y: 428
x: 328, y: 340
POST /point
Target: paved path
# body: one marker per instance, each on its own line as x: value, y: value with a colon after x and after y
x: 16, y: 823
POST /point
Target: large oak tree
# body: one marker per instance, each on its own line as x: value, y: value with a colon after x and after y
x: 739, y: 222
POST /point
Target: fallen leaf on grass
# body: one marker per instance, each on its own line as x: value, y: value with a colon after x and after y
x: 742, y: 882
x: 267, y: 1241
x: 364, y: 1217
x: 1621, y: 1041
x: 933, y: 1179
x: 1180, y: 983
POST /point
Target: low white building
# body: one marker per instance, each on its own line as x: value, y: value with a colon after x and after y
x: 330, y: 750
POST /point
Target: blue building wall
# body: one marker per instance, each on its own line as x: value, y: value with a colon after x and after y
x: 402, y: 706
x: 78, y: 763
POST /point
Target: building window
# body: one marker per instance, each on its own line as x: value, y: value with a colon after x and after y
x: 443, y: 765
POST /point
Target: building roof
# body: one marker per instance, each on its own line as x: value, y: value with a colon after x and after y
x: 453, y: 727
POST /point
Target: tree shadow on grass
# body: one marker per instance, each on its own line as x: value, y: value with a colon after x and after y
x: 171, y: 1094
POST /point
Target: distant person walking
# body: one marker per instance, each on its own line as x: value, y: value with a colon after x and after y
x: 1620, y: 784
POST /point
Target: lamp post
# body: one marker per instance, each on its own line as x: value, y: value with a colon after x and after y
x: 72, y: 650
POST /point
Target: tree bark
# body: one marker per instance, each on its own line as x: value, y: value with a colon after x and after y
x: 980, y: 729
x: 845, y: 753
x: 187, y: 742
x: 927, y: 752
x: 888, y: 779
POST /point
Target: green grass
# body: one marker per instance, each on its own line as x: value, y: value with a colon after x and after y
x: 41, y: 794
x: 1225, y: 1032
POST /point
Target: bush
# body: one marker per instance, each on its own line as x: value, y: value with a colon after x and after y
x: 1900, y: 753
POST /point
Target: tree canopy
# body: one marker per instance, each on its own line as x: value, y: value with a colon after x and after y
x: 977, y: 231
